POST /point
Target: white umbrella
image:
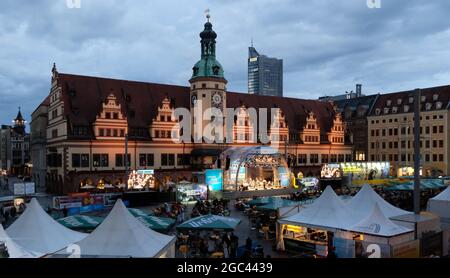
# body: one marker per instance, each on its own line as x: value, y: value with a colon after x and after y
x: 109, y: 186
x: 170, y: 183
x: 184, y: 182
x: 87, y: 186
x: 122, y: 185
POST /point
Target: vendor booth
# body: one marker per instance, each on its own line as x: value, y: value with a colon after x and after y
x: 358, y: 227
x: 311, y: 230
x: 374, y: 236
x: 35, y: 230
x: 121, y: 235
x: 255, y: 168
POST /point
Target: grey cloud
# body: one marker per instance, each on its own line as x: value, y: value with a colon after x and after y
x: 327, y: 45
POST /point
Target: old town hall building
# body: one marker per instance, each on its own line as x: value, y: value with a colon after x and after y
x: 89, y: 118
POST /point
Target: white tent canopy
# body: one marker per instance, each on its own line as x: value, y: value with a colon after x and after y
x: 362, y: 204
x: 443, y: 196
x: 122, y: 235
x: 14, y: 250
x: 328, y: 212
x: 35, y: 230
x: 376, y: 223
x: 440, y: 205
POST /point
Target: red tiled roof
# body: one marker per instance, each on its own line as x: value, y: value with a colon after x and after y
x: 443, y: 93
x: 83, y: 97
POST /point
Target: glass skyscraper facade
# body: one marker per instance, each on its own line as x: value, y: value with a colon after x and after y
x: 265, y: 74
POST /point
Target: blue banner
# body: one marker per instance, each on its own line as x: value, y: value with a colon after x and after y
x: 214, y: 179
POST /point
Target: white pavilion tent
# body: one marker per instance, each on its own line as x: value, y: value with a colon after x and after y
x: 122, y: 235
x: 38, y: 232
x: 327, y: 212
x: 440, y: 205
x: 362, y: 204
x: 14, y: 250
x: 377, y: 225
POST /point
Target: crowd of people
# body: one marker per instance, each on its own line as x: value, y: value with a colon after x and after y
x: 208, y: 245
x: 174, y: 210
x: 216, y: 207
x: 256, y: 184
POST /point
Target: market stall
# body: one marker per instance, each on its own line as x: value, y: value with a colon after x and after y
x: 311, y: 230
x: 373, y: 236
x: 35, y: 230
x: 122, y: 235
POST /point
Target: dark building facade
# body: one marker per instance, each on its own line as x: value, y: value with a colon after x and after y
x: 354, y: 113
x: 265, y: 74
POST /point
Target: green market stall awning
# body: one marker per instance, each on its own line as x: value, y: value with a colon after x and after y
x: 278, y: 203
x: 138, y: 212
x: 424, y: 185
x: 210, y: 222
x: 81, y: 222
x: 261, y: 201
x: 159, y: 224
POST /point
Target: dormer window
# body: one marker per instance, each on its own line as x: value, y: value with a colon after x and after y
x: 428, y: 106
x: 394, y: 109
x: 399, y: 101
x: 388, y: 102
x: 406, y: 108
x: 386, y: 110
x: 377, y: 111
x: 195, y: 70
x: 423, y: 98
x: 435, y: 97
x: 438, y: 105
x: 216, y: 70
x: 411, y: 100
x: 115, y: 116
x: 107, y: 115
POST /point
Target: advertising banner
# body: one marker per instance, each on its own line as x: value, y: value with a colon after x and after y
x: 30, y: 188
x: 214, y: 179
x: 19, y: 189
x: 283, y: 175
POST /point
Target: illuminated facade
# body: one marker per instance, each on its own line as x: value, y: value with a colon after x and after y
x: 88, y: 119
x: 391, y: 136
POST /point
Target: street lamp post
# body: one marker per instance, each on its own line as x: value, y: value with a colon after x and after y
x: 417, y: 151
x: 126, y: 156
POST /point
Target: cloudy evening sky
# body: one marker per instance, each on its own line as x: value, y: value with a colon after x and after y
x: 327, y: 45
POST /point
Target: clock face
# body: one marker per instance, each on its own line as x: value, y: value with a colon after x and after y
x: 217, y: 98
x: 193, y: 99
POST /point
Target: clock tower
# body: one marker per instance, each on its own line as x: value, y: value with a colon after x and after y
x: 208, y: 84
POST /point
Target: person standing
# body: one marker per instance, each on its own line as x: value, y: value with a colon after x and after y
x: 234, y: 245
x: 226, y: 240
